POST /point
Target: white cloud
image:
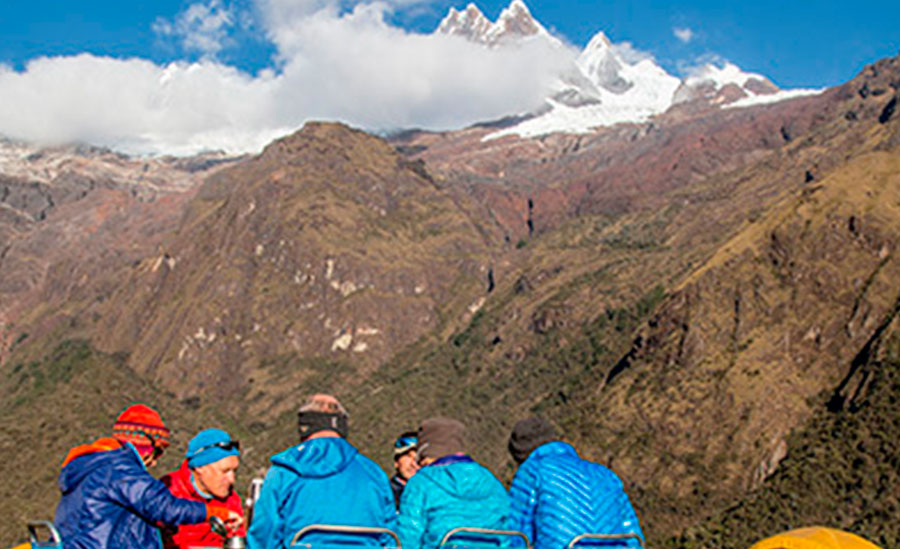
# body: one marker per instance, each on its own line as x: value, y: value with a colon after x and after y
x: 201, y: 27
x: 135, y: 105
x: 684, y: 34
x: 630, y: 54
x: 700, y: 65
x: 338, y: 65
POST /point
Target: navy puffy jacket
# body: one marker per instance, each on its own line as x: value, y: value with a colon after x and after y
x: 109, y: 500
x: 556, y: 496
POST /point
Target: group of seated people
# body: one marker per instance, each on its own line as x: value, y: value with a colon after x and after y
x: 109, y: 499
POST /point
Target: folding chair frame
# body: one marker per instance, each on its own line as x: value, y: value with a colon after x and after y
x: 605, y: 537
x: 469, y: 530
x: 336, y: 529
x: 33, y: 526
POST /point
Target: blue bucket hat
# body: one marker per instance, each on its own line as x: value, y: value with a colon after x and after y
x: 210, y: 446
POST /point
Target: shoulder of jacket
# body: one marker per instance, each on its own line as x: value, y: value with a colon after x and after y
x: 371, y: 468
x: 126, y: 460
x: 607, y: 473
x: 419, y: 481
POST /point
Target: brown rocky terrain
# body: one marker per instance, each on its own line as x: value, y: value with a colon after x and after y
x: 328, y: 245
x: 775, y: 288
x: 79, y: 208
x: 682, y: 297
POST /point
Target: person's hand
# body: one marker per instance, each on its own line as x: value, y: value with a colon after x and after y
x: 231, y: 519
x: 234, y: 521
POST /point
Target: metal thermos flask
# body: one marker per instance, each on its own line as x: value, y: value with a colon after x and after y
x: 235, y: 543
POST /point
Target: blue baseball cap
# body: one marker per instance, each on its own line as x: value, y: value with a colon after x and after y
x: 210, y: 446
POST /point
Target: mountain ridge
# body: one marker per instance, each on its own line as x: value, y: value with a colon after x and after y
x: 641, y: 287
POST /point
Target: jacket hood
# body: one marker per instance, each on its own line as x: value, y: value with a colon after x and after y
x: 462, y: 479
x: 84, y: 459
x: 317, y: 458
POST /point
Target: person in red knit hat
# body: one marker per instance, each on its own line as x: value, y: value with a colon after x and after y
x: 109, y: 499
x: 207, y: 474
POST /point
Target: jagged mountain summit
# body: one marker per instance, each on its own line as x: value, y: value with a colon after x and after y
x: 608, y: 83
x: 514, y: 23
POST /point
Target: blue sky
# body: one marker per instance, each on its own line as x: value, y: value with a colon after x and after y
x: 795, y: 43
x: 181, y: 76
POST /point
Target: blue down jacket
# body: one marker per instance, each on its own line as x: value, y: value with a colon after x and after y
x: 109, y: 500
x: 453, y: 491
x: 321, y: 481
x: 556, y: 496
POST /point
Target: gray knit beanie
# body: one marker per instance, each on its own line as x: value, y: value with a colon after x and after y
x: 439, y: 437
x: 527, y: 435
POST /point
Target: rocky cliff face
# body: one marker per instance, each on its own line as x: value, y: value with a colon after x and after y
x: 778, y: 257
x: 83, y: 207
x: 761, y: 336
x: 328, y: 246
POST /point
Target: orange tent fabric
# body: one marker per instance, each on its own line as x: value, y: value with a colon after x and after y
x: 815, y: 538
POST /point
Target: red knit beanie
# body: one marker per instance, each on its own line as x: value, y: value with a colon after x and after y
x: 142, y: 426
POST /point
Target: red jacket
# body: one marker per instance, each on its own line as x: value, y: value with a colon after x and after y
x: 195, y: 535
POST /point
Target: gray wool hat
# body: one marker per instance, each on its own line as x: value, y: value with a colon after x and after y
x: 527, y: 435
x: 439, y: 437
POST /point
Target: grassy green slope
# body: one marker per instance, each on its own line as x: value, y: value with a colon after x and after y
x: 843, y: 471
x: 71, y: 396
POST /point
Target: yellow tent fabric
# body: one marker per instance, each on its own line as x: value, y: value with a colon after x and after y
x: 815, y: 538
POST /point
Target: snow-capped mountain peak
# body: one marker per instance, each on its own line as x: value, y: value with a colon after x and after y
x: 602, y: 66
x: 469, y: 23
x: 599, y: 43
x: 728, y: 73
x: 514, y: 23
x: 722, y: 84
x: 607, y: 83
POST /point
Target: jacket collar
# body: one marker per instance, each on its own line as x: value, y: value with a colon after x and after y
x: 451, y: 459
x: 100, y: 445
x: 554, y: 447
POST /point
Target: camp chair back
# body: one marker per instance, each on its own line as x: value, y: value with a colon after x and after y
x: 50, y: 540
x: 476, y: 538
x: 361, y: 533
x: 607, y: 540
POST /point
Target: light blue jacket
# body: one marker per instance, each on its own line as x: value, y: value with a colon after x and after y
x: 451, y: 492
x: 556, y: 496
x: 321, y: 481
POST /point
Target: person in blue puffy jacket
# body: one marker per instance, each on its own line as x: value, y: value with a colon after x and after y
x: 109, y: 500
x: 451, y: 490
x: 557, y: 496
x: 323, y: 480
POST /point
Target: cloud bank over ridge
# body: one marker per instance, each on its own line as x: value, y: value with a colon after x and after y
x: 332, y: 62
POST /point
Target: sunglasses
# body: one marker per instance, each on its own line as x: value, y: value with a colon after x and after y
x: 228, y: 445
x: 405, y: 442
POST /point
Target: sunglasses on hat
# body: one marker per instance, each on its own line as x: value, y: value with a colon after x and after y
x: 404, y: 444
x: 227, y: 445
